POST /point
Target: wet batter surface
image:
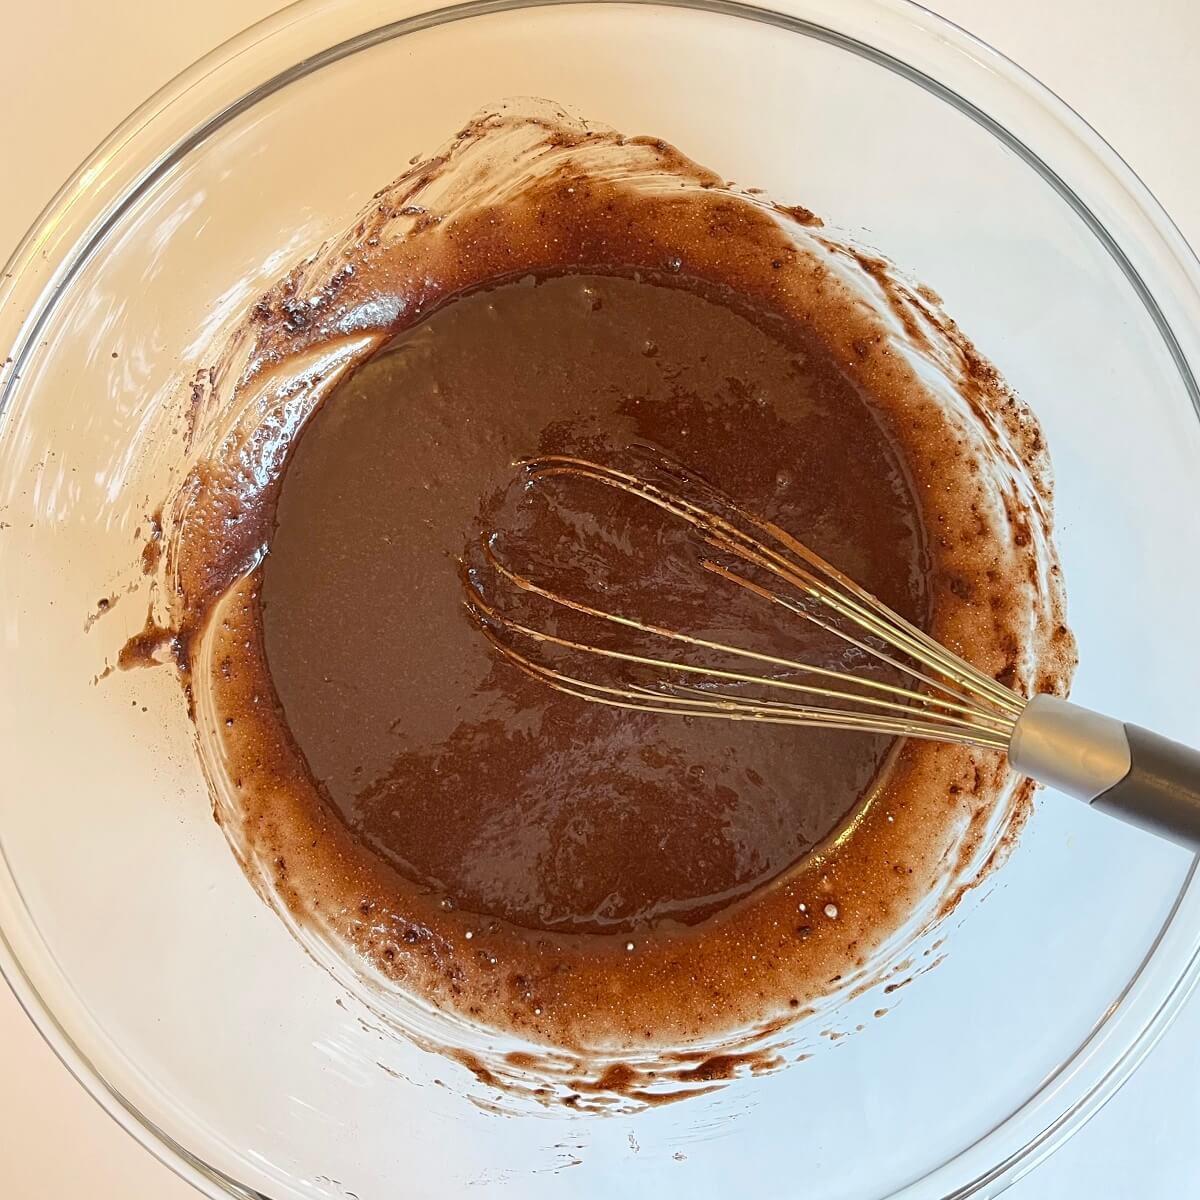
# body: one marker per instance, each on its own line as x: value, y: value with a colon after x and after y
x: 438, y: 828
x: 500, y: 795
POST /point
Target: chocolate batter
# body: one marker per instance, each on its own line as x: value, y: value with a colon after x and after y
x: 448, y: 830
x: 500, y: 795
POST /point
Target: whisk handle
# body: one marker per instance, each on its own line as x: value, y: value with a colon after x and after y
x: 1130, y: 772
x: 1161, y: 793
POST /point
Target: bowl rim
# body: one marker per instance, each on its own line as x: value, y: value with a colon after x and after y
x: 152, y: 139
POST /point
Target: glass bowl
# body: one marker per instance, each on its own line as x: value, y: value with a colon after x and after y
x: 128, y: 930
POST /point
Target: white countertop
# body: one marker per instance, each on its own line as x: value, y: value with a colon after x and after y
x: 71, y: 71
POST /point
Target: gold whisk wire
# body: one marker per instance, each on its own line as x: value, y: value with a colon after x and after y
x: 949, y: 699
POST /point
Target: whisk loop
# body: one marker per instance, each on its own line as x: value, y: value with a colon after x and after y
x: 944, y: 698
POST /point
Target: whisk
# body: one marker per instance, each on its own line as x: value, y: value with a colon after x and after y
x: 928, y: 692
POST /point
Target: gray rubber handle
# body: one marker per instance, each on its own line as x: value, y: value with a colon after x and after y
x: 1161, y: 790
x: 1124, y: 770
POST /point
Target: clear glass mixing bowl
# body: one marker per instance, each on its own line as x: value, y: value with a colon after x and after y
x: 128, y: 930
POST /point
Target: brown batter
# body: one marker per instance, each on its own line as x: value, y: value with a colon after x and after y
x: 506, y: 798
x: 453, y: 832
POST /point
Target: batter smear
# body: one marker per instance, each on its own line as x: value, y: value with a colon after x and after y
x: 438, y: 826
